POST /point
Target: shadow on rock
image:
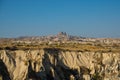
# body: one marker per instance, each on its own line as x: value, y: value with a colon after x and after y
x: 3, y: 71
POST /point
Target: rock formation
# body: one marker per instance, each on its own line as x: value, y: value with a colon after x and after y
x: 57, y: 64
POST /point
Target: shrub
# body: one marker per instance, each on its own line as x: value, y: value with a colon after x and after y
x: 97, y: 76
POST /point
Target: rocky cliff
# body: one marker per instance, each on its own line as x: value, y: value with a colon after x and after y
x: 57, y: 64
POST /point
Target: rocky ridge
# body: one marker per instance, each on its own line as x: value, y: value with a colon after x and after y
x: 59, y: 57
x: 56, y: 64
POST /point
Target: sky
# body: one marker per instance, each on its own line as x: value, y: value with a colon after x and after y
x: 87, y: 18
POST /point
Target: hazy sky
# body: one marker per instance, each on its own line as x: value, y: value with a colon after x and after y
x: 88, y: 18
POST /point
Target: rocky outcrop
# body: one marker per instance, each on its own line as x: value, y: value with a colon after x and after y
x: 56, y: 64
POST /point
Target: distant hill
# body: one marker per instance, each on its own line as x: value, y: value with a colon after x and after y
x: 58, y: 37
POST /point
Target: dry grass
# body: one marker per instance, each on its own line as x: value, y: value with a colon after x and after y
x: 64, y: 46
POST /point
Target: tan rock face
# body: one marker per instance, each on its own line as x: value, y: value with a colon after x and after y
x: 54, y: 64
